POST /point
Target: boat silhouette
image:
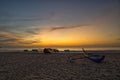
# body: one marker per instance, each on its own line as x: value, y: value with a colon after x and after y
x: 95, y: 58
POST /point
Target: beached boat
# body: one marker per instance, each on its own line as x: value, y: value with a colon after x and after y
x: 95, y: 58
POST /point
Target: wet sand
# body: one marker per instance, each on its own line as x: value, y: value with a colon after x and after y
x: 33, y: 66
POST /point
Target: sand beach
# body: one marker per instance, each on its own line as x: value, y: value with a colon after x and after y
x: 38, y: 66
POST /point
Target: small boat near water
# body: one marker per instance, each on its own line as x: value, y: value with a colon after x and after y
x: 95, y: 58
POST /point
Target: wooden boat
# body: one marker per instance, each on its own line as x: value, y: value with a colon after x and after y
x: 95, y: 58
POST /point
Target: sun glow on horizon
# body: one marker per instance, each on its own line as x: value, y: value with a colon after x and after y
x: 64, y: 38
x: 85, y: 36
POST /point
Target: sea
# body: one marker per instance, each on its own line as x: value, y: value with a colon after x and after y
x: 116, y: 49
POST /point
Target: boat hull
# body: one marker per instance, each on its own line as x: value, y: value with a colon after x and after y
x: 96, y: 58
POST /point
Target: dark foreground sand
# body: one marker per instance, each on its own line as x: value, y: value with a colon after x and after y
x: 31, y: 66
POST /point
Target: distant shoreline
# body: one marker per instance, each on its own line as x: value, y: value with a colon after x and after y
x: 74, y: 51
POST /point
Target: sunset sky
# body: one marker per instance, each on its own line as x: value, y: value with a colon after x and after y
x: 60, y: 23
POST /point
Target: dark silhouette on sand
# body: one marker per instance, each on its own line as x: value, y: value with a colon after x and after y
x: 47, y: 50
x: 94, y: 58
x: 50, y: 51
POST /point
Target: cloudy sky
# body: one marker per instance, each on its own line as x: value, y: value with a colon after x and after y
x: 35, y: 23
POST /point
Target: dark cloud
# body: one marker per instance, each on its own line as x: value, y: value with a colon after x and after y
x: 4, y: 28
x: 12, y: 37
x: 9, y: 37
x: 66, y: 27
x: 23, y: 19
x: 7, y: 17
x: 28, y: 42
x: 33, y: 31
x: 8, y: 40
